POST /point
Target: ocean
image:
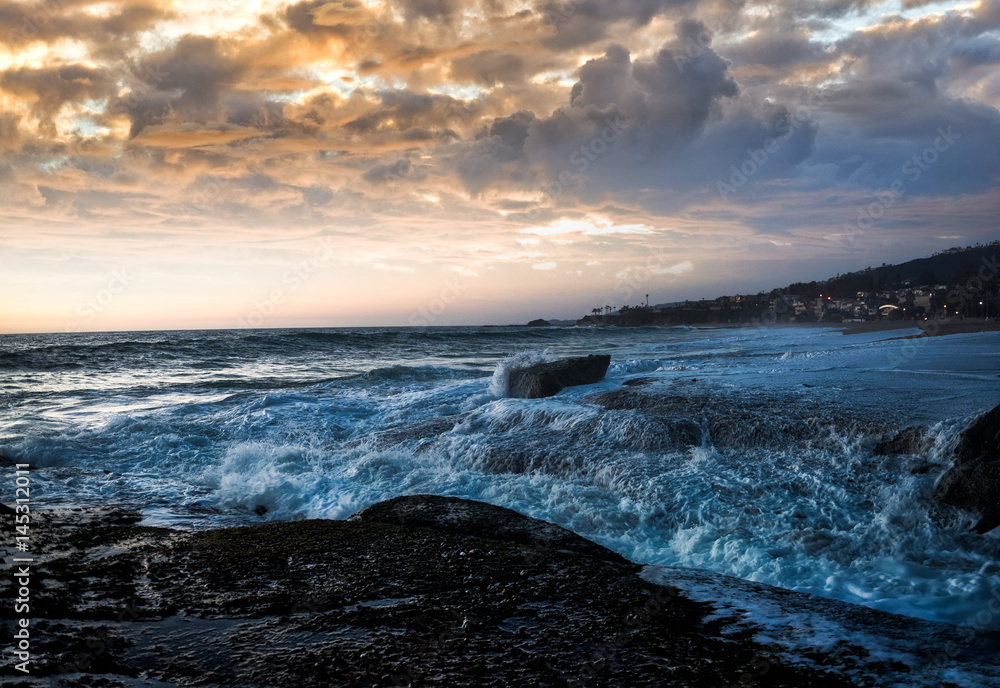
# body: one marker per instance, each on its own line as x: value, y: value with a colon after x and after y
x: 753, y: 452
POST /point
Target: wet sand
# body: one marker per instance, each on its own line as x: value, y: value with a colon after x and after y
x: 931, y: 328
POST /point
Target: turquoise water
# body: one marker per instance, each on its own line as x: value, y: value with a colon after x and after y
x: 201, y: 428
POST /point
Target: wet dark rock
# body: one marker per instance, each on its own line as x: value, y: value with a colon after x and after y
x: 468, y: 517
x: 638, y: 382
x: 729, y: 419
x: 546, y: 379
x: 973, y: 480
x: 911, y: 440
x: 415, y: 591
x: 539, y: 322
x: 981, y: 439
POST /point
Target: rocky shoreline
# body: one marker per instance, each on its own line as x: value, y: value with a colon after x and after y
x: 428, y: 590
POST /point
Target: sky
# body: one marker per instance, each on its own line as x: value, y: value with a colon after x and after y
x: 220, y: 164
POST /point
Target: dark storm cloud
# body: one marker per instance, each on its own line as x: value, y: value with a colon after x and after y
x: 50, y: 88
x: 430, y: 9
x: 195, y: 66
x: 406, y: 110
x: 632, y: 124
x: 581, y: 22
x: 320, y: 17
x: 190, y: 80
x: 930, y: 51
x: 897, y: 101
x: 489, y: 67
x: 400, y: 170
x: 50, y: 21
x: 780, y: 48
x: 359, y: 95
x: 883, y: 124
x: 9, y: 131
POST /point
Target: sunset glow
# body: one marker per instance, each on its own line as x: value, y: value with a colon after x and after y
x: 196, y: 164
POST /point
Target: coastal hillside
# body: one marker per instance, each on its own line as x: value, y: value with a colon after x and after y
x: 958, y: 282
x: 955, y: 266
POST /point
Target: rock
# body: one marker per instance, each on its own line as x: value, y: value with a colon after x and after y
x: 638, y: 382
x: 478, y: 519
x: 981, y: 439
x: 740, y: 419
x: 370, y: 601
x: 546, y: 379
x: 911, y: 440
x: 539, y: 322
x: 973, y: 480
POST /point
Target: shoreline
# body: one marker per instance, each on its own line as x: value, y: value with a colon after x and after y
x: 931, y: 328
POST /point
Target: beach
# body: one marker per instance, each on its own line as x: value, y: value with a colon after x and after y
x: 929, y: 328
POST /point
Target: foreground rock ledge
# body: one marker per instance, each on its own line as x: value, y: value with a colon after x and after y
x: 420, y: 590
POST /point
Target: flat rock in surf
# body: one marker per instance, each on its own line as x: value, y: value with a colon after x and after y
x: 700, y: 415
x: 547, y: 379
x: 973, y: 480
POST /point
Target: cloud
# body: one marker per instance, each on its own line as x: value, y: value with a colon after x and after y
x: 28, y: 23
x: 578, y: 125
x: 489, y: 67
x: 47, y: 89
x: 631, y: 125
x: 588, y: 226
x: 673, y: 269
x: 190, y: 135
x: 581, y: 22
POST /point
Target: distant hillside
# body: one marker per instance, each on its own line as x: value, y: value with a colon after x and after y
x: 954, y: 266
x: 956, y: 271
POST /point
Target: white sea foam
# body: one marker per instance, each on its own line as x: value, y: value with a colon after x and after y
x: 500, y: 384
x: 825, y: 516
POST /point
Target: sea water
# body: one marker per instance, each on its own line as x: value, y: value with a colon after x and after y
x: 206, y: 428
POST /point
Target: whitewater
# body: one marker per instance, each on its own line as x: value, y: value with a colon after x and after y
x: 757, y: 456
